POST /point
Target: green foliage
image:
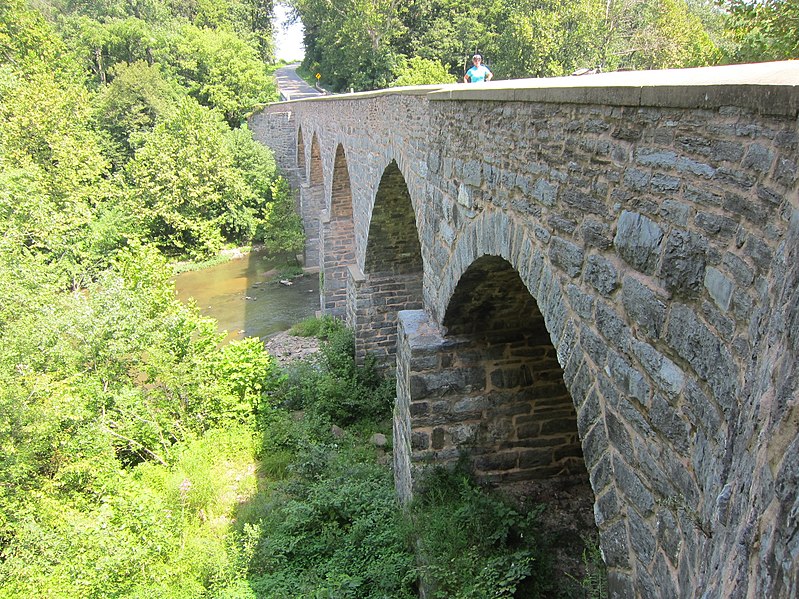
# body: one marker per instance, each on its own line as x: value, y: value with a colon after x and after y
x: 421, y: 71
x: 334, y: 530
x: 522, y: 38
x: 763, y: 30
x: 351, y: 43
x: 221, y: 70
x: 137, y: 97
x: 594, y: 584
x: 320, y: 327
x: 110, y: 399
x: 196, y: 184
x: 474, y: 544
x: 331, y: 386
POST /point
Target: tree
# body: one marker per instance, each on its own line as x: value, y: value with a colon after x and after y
x: 220, y: 70
x: 130, y: 105
x: 196, y: 184
x: 763, y: 30
x: 421, y: 71
x: 350, y: 42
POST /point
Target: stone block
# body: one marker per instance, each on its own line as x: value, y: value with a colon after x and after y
x: 668, y: 535
x: 535, y: 458
x: 664, y: 183
x: 582, y: 303
x: 583, y: 202
x: 601, y: 474
x: 601, y: 274
x: 496, y: 461
x: 759, y: 251
x: 683, y: 266
x: 676, y: 212
x: 669, y: 422
x: 559, y: 426
x: 719, y: 287
x: 616, y: 547
x: 610, y: 325
x: 595, y: 444
x: 716, y: 224
x: 566, y: 255
x: 669, y: 378
x: 706, y: 354
x: 420, y: 440
x: 759, y: 158
x: 628, y: 379
x: 643, y: 307
x: 628, y: 482
x: 438, y: 438
x: 638, y: 241
x: 606, y: 507
x: 642, y: 538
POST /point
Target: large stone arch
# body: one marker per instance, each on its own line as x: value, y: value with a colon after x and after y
x: 523, y: 424
x: 392, y: 276
x: 337, y: 240
x: 634, y: 495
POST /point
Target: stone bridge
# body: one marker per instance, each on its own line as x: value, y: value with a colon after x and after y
x: 594, y: 275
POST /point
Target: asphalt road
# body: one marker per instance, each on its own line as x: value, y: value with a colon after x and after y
x: 291, y: 85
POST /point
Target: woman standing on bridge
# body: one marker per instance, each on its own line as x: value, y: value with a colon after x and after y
x: 479, y: 72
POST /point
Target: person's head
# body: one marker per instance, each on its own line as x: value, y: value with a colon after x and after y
x: 477, y: 59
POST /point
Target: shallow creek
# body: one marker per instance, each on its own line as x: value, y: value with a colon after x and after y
x: 245, y: 296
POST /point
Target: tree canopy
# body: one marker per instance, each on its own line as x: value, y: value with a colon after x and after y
x: 364, y: 44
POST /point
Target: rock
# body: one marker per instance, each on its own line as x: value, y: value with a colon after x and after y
x: 337, y: 431
x: 378, y: 440
x: 287, y: 348
x: 286, y: 282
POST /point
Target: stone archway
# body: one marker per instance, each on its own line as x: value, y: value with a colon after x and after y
x: 516, y: 418
x: 337, y: 239
x: 392, y: 280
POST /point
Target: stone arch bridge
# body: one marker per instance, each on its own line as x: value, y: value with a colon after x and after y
x: 591, y: 274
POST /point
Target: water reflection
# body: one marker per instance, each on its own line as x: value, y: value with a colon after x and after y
x: 245, y: 297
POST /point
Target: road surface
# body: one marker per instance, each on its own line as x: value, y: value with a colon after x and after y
x: 291, y: 85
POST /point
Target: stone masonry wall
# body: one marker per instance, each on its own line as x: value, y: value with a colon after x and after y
x: 373, y: 302
x: 654, y: 219
x: 337, y: 239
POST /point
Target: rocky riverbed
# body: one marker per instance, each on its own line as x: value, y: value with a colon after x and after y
x: 286, y: 348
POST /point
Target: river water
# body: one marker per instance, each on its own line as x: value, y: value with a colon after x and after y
x: 246, y: 298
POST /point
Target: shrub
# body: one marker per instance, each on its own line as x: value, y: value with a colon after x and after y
x: 333, y: 532
x: 332, y: 386
x: 474, y: 544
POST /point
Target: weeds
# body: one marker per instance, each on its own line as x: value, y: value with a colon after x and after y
x: 594, y: 583
x: 473, y: 544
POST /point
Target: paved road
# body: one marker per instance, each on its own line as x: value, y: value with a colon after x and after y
x: 291, y: 85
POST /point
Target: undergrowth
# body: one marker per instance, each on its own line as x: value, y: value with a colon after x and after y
x: 473, y: 543
x: 326, y: 521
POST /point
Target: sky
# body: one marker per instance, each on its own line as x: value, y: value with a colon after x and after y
x: 288, y: 41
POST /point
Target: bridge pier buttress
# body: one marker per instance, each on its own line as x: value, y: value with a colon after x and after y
x: 373, y: 302
x: 336, y: 241
x: 310, y: 208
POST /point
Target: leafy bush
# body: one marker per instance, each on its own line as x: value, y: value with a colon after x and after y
x: 473, y: 544
x: 332, y: 386
x: 334, y: 531
x: 316, y: 327
x: 421, y: 71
